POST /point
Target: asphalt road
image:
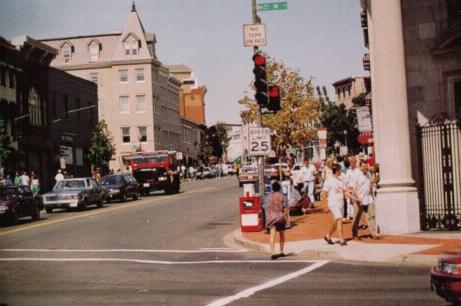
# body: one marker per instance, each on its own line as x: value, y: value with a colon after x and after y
x: 169, y: 250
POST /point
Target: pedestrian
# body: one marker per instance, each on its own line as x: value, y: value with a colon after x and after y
x: 25, y: 179
x: 326, y: 172
x: 59, y: 176
x: 17, y: 179
x: 307, y: 176
x: 7, y: 181
x: 35, y: 185
x: 361, y: 186
x: 351, y: 170
x: 183, y: 171
x: 276, y: 218
x: 334, y: 190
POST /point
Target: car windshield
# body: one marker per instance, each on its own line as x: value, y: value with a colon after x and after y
x: 111, y: 180
x: 246, y: 170
x: 7, y: 191
x: 71, y: 184
x: 158, y: 158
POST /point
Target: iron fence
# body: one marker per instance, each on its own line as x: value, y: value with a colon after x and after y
x: 439, y: 144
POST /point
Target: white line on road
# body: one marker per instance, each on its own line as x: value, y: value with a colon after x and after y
x: 161, y: 262
x: 205, y: 250
x: 250, y: 291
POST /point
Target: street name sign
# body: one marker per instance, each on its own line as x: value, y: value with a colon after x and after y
x: 260, y: 141
x: 272, y: 6
x: 254, y: 35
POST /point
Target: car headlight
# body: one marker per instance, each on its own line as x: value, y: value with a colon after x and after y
x: 115, y: 190
x: 449, y: 267
x: 3, y: 208
x: 162, y: 178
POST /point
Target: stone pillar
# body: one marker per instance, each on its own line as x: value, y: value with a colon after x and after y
x: 397, y: 205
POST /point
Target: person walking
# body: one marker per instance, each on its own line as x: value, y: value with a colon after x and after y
x: 59, y: 176
x: 25, y: 179
x: 307, y: 176
x: 361, y: 187
x: 7, y: 181
x: 334, y: 190
x: 351, y: 170
x: 17, y: 179
x: 276, y: 218
x: 35, y: 185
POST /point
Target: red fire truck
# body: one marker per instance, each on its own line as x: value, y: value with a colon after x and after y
x: 156, y: 171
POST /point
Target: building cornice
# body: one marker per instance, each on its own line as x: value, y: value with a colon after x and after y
x: 109, y: 64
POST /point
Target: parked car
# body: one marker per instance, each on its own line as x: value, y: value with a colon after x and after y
x: 120, y: 186
x: 18, y: 202
x: 230, y: 170
x: 272, y: 171
x: 74, y: 193
x: 204, y: 172
x: 248, y: 175
x: 295, y: 172
x: 446, y: 276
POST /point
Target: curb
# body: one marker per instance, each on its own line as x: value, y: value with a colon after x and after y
x: 236, y: 238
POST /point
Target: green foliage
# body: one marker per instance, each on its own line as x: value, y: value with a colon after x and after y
x: 101, y: 147
x: 4, y: 143
x: 359, y: 100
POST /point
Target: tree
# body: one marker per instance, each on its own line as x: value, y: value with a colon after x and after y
x: 295, y: 124
x: 101, y: 147
x: 5, y: 148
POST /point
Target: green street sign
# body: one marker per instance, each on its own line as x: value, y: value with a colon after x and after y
x: 272, y: 6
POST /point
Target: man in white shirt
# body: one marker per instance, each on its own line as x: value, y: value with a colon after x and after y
x: 25, y: 179
x: 362, y: 189
x: 307, y: 176
x: 349, y: 174
x: 59, y: 176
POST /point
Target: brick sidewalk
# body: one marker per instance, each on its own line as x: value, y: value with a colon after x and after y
x: 315, y: 225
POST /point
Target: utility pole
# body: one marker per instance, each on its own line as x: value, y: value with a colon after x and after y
x: 256, y: 20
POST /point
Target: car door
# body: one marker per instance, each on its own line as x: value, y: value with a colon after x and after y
x: 25, y: 207
x: 94, y: 191
x: 98, y: 191
x: 128, y: 184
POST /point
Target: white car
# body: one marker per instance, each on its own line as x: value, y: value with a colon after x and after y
x: 295, y: 172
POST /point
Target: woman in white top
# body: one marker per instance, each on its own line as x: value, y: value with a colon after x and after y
x: 334, y: 189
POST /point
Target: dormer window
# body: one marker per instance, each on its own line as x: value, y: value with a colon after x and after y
x: 94, y: 47
x: 132, y: 45
x: 66, y: 50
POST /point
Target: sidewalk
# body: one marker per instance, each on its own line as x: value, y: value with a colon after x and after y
x: 305, y: 238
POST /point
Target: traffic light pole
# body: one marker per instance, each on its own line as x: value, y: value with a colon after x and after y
x: 256, y: 19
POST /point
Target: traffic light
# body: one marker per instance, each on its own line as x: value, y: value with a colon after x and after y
x: 260, y: 79
x: 274, y: 98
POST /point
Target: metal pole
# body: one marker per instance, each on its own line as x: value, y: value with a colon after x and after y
x: 256, y: 19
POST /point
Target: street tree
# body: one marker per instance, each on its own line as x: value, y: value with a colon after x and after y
x: 101, y: 147
x: 294, y: 126
x: 5, y: 148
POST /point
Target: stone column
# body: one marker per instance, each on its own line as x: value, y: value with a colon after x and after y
x: 397, y: 205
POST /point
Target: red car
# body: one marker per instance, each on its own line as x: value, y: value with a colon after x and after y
x: 446, y: 276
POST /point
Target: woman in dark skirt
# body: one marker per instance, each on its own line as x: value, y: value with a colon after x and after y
x: 276, y: 220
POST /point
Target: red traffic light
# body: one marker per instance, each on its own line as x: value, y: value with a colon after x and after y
x: 274, y: 91
x: 259, y: 60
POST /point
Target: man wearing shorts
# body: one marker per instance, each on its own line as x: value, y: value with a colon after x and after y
x: 334, y: 190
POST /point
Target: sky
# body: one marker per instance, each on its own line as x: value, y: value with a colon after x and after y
x: 321, y: 38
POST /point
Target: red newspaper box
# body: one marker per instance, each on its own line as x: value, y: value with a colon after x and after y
x: 250, y: 214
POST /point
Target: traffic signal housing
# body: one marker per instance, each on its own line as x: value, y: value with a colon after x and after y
x: 260, y: 79
x: 274, y: 98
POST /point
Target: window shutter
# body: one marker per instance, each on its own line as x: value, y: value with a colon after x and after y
x: 100, y: 47
x: 139, y: 44
x: 72, y: 49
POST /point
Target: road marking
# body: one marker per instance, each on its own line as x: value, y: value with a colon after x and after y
x: 100, y: 211
x: 128, y: 250
x: 162, y: 262
x: 250, y: 291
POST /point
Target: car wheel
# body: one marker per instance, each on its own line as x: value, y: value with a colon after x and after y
x: 49, y: 210
x: 99, y: 203
x: 109, y: 200
x: 135, y: 196
x: 123, y: 197
x: 36, y: 215
x: 13, y: 220
x: 83, y: 205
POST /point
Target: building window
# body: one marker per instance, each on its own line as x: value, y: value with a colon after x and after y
x: 12, y: 79
x: 94, y: 77
x: 141, y: 104
x: 142, y: 133
x: 67, y: 53
x: 123, y: 75
x: 94, y: 51
x: 2, y: 77
x: 457, y: 98
x: 131, y: 47
x: 35, y: 114
x: 126, y: 135
x: 139, y: 75
x: 124, y: 105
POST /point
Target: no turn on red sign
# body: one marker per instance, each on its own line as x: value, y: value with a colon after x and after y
x: 254, y: 35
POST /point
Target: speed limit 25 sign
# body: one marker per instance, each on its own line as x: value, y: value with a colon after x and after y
x: 260, y: 141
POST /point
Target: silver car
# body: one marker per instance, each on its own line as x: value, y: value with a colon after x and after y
x: 74, y: 193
